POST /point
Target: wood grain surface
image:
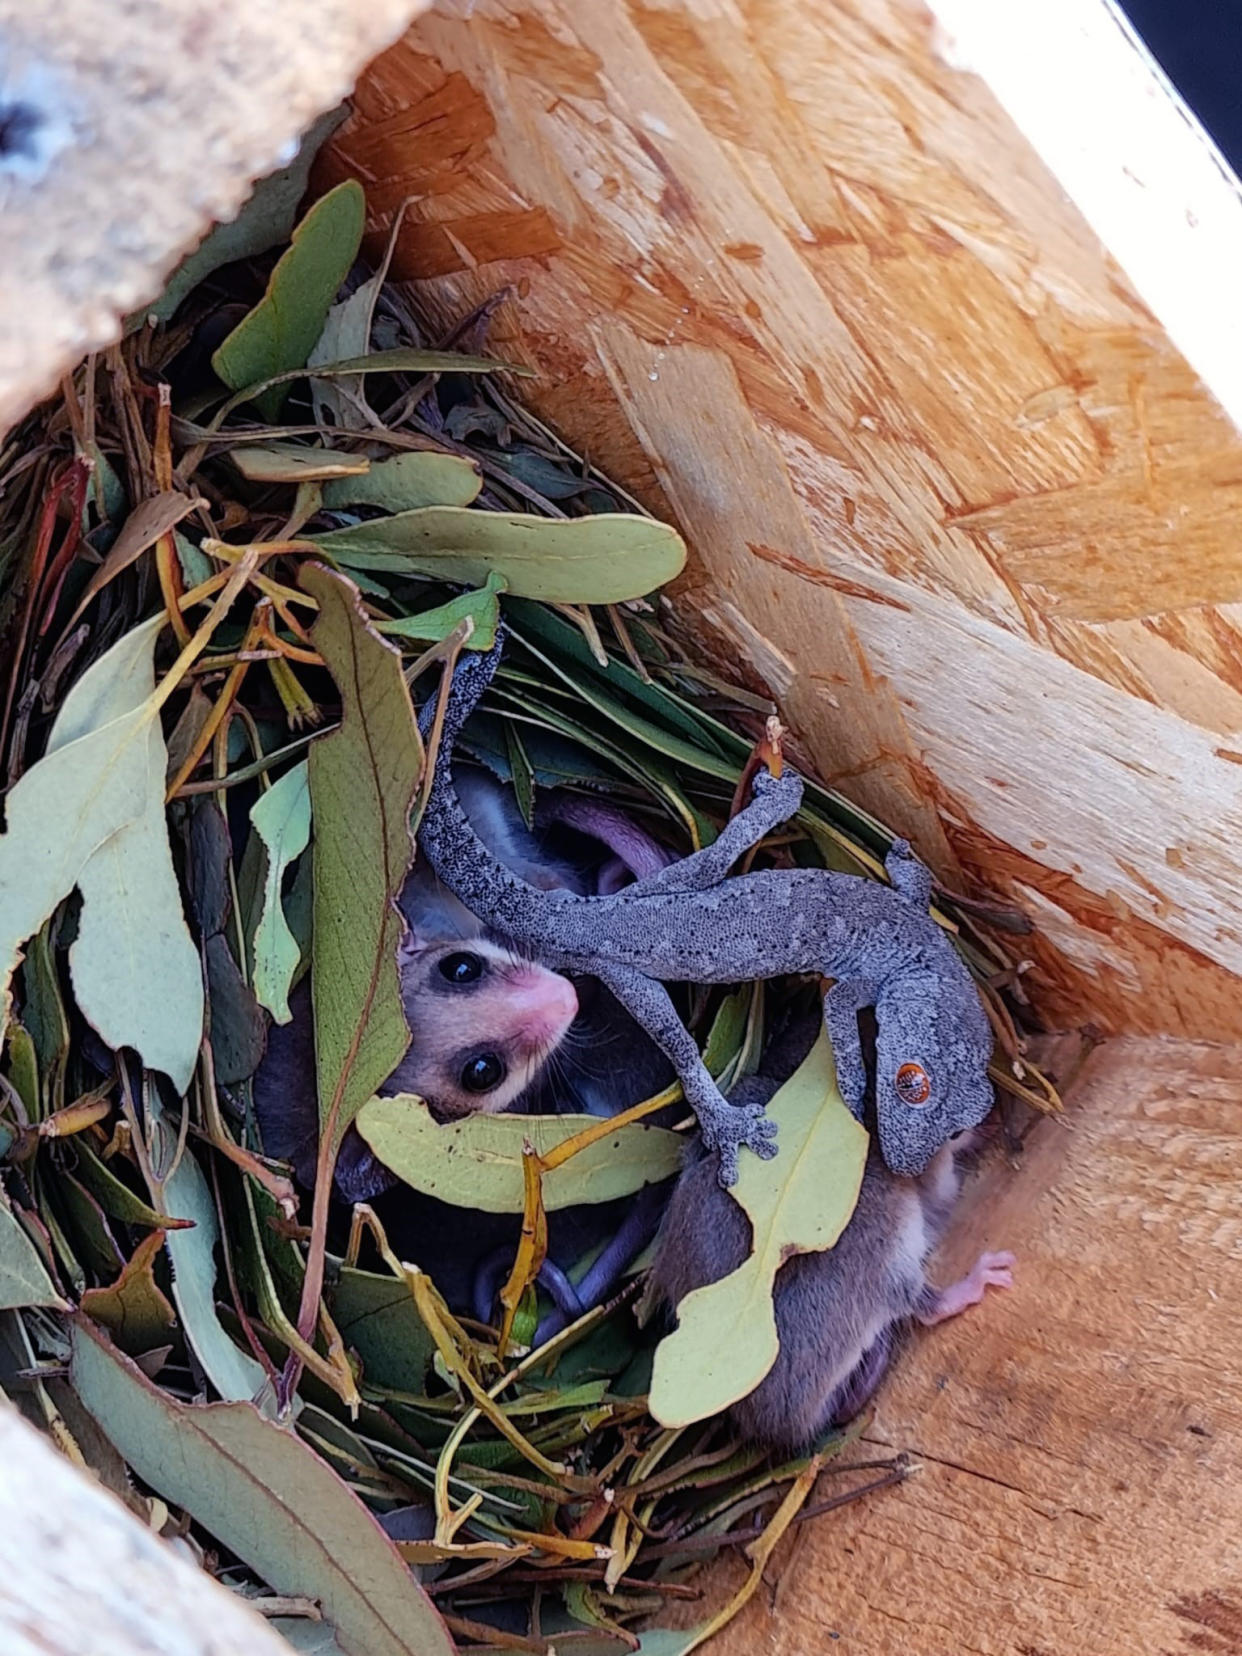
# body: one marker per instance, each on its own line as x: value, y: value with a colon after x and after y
x: 1079, y: 1438
x: 954, y: 499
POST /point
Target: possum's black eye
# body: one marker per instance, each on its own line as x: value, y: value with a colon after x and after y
x: 461, y: 968
x: 483, y: 1073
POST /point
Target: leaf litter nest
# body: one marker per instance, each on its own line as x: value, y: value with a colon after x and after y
x: 169, y: 648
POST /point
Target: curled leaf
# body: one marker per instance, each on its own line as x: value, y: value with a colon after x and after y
x: 295, y: 463
x: 133, y: 1308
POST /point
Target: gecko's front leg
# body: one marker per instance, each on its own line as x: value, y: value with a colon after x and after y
x: 725, y: 1127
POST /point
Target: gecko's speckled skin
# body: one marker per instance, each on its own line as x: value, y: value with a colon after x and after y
x: 688, y: 924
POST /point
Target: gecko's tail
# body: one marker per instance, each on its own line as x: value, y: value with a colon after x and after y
x: 471, y: 676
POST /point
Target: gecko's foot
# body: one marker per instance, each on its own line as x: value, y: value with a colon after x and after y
x: 991, y: 1270
x: 737, y: 1127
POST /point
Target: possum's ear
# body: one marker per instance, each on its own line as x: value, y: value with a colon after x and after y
x: 635, y: 854
x: 431, y: 914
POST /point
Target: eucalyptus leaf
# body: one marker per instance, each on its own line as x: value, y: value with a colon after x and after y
x: 135, y: 970
x: 196, y: 566
x: 182, y: 1192
x: 134, y: 1308
x: 593, y: 560
x: 362, y: 783
x: 24, y: 1069
x: 238, y: 1027
x: 281, y: 818
x: 265, y: 220
x: 104, y: 774
x: 113, y: 1194
x: 295, y: 463
x: 280, y: 332
x: 799, y: 1202
x: 482, y: 606
x: 423, y: 477
x: 537, y: 625
x: 476, y: 1162
x: 23, y: 1275
x: 43, y: 1009
x: 402, y: 359
x: 376, y: 1315
x: 267, y: 1497
x: 94, y: 1243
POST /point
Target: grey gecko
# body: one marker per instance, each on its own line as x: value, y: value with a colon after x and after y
x: 689, y: 924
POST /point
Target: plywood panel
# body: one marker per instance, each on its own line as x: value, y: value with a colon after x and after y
x: 1079, y: 1439
x: 954, y: 497
x: 126, y: 128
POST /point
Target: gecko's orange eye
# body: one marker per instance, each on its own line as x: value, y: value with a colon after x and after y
x: 913, y: 1085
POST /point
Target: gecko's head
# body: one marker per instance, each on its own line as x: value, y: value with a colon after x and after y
x: 932, y: 1053
x: 483, y: 1023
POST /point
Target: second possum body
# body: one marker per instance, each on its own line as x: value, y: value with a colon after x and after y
x: 838, y: 1312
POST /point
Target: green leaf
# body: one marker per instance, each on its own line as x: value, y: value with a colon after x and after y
x: 94, y: 1243
x: 103, y: 776
x: 282, y: 819
x: 113, y: 1195
x: 280, y: 332
x: 267, y: 1497
x: 266, y: 219
x: 728, y: 1032
x: 43, y: 1012
x: 376, y: 1315
x: 346, y: 333
x: 24, y: 1069
x: 477, y: 1162
x: 135, y: 970
x: 295, y: 463
x: 407, y: 481
x: 431, y: 625
x: 23, y: 1275
x: 362, y: 783
x: 181, y: 1191
x: 562, y: 640
x: 668, y: 1641
x: 593, y: 560
x: 800, y: 1202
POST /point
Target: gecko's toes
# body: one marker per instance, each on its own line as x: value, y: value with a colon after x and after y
x: 728, y: 1165
x: 761, y: 1137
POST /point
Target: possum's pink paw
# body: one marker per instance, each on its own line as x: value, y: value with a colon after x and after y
x: 991, y: 1270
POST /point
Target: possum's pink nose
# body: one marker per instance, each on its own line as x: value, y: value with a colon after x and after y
x: 544, y: 1003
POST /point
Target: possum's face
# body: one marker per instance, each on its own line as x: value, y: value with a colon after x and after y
x: 483, y: 1023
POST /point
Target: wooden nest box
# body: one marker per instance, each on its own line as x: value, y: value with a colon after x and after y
x: 923, y: 329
